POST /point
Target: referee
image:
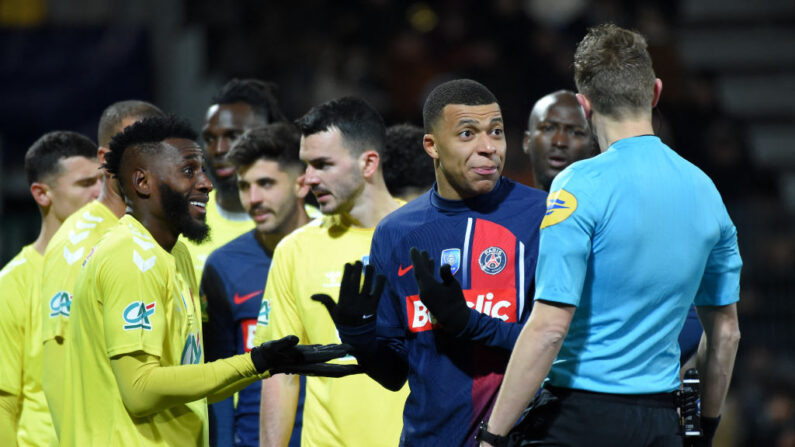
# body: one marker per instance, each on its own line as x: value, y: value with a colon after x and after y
x: 631, y: 238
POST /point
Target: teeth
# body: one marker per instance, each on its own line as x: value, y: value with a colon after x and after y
x: 199, y: 204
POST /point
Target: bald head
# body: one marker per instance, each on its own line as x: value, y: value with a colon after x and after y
x: 557, y: 135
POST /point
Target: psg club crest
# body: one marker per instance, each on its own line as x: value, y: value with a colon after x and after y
x: 451, y: 256
x: 492, y: 260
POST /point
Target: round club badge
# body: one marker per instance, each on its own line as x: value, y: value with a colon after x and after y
x: 492, y: 260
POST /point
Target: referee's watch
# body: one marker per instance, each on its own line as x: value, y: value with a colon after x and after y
x: 484, y: 435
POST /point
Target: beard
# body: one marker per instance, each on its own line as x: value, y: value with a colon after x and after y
x: 177, y: 210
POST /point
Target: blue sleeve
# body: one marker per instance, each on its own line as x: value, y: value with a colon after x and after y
x: 219, y: 342
x: 381, y: 347
x: 491, y: 331
x: 720, y: 284
x: 566, y: 237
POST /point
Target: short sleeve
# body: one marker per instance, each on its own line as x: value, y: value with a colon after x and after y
x: 565, y: 239
x: 133, y: 303
x: 720, y: 284
x: 278, y: 314
x: 12, y: 334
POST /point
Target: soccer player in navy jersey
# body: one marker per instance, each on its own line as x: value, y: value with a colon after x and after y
x: 268, y: 171
x: 452, y: 345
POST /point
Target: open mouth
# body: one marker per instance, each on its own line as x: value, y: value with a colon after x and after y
x: 198, y: 206
x: 557, y: 162
x: 224, y: 170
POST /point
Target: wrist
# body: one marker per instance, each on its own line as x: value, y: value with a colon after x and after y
x: 483, y: 435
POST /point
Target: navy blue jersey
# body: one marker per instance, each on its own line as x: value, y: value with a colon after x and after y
x: 491, y: 242
x: 232, y: 284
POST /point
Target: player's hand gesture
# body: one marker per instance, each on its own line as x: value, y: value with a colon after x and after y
x: 356, y: 306
x: 287, y: 356
x: 445, y: 300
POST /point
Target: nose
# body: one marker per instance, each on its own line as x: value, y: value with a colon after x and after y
x: 224, y: 144
x: 310, y: 176
x: 203, y: 183
x: 560, y: 138
x: 254, y: 196
x: 96, y: 188
x: 486, y: 145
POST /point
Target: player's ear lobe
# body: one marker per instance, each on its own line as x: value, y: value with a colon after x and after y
x: 41, y: 194
x: 141, y: 182
x: 369, y: 162
x: 429, y: 144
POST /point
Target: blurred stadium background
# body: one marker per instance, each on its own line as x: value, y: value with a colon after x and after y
x: 728, y: 68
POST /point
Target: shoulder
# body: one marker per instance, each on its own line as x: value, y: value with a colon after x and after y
x: 19, y: 264
x: 411, y: 214
x: 526, y: 195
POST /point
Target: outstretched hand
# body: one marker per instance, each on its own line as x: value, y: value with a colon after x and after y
x: 355, y: 306
x: 287, y: 356
x: 445, y: 300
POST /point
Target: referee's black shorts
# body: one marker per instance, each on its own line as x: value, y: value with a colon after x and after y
x: 566, y: 417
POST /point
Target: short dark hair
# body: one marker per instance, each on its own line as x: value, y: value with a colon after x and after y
x: 459, y: 91
x: 360, y: 124
x: 612, y: 67
x: 43, y: 157
x: 115, y: 113
x: 277, y: 142
x: 259, y: 95
x: 145, y: 135
x: 405, y: 164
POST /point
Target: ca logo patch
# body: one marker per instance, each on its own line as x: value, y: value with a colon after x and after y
x: 560, y: 205
x: 451, y: 256
x: 136, y: 316
x: 192, y: 352
x: 264, y: 312
x: 60, y: 304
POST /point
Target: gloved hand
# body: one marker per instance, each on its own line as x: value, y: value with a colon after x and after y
x: 708, y: 428
x: 320, y: 370
x: 355, y: 307
x: 285, y: 353
x: 445, y: 300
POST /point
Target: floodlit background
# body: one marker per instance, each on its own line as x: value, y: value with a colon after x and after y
x: 728, y: 105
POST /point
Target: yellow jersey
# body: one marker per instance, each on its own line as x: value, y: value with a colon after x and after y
x: 224, y: 227
x: 349, y: 411
x: 20, y: 346
x: 63, y: 259
x: 131, y: 296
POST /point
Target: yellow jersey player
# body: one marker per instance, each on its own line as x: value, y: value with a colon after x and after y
x: 341, y: 144
x: 240, y: 105
x: 134, y: 370
x: 63, y: 175
x: 71, y: 244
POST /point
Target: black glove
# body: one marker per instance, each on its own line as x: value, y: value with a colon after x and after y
x: 320, y: 369
x: 444, y: 300
x: 355, y: 307
x: 279, y: 354
x: 708, y: 428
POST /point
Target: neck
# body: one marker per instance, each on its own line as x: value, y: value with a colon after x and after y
x: 229, y: 201
x: 158, y: 228
x: 373, y: 204
x: 110, y: 196
x: 268, y: 241
x: 609, y: 130
x: 49, y: 225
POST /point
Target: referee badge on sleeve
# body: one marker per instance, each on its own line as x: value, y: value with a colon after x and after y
x: 560, y: 205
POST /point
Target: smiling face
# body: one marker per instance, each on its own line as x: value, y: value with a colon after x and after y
x: 182, y: 188
x: 468, y: 146
x: 334, y: 176
x: 557, y: 136
x: 224, y: 124
x: 268, y: 194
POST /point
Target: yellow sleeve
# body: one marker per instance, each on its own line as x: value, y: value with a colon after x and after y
x: 12, y: 334
x: 9, y: 414
x: 278, y: 315
x: 147, y: 388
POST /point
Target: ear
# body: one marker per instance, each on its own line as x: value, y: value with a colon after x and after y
x: 41, y: 194
x: 141, y: 182
x: 369, y: 162
x: 429, y: 144
x: 657, y: 92
x: 526, y: 142
x: 300, y: 188
x: 586, y: 105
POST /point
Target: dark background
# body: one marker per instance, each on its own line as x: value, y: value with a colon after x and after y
x: 728, y: 105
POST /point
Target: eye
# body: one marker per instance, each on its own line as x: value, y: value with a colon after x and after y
x: 546, y: 127
x: 189, y: 171
x: 466, y: 133
x: 497, y: 131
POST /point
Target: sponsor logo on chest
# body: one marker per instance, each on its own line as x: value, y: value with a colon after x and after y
x: 60, y: 304
x: 499, y: 303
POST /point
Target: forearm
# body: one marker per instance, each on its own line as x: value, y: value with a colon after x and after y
x: 531, y: 360
x: 146, y: 387
x: 278, y: 404
x: 9, y: 414
x: 716, y: 357
x: 491, y: 331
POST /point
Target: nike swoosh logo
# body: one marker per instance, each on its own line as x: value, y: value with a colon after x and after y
x: 402, y: 271
x: 244, y: 298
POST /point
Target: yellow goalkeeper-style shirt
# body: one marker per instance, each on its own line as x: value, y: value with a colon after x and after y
x: 131, y: 296
x: 349, y: 411
x: 64, y: 257
x: 20, y: 346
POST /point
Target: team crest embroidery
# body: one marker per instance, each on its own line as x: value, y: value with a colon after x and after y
x: 60, y: 304
x: 136, y: 316
x: 451, y: 256
x: 264, y: 312
x: 492, y: 260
